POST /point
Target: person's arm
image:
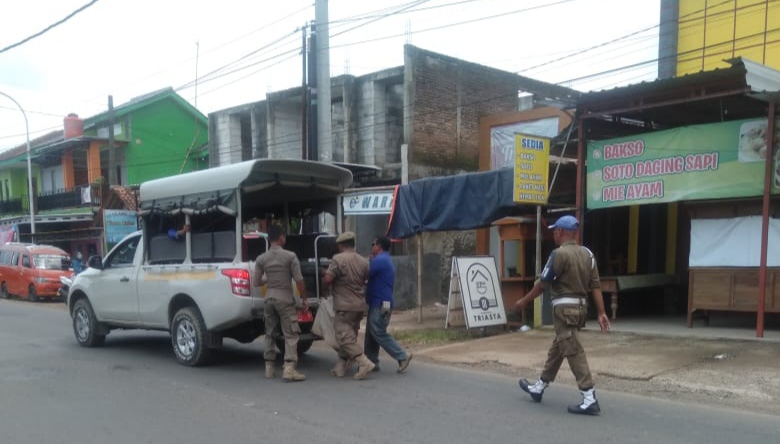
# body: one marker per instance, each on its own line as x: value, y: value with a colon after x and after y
x: 548, y: 275
x: 598, y: 297
x: 330, y: 275
x: 257, y: 275
x: 295, y: 269
x: 537, y: 289
x: 598, y: 300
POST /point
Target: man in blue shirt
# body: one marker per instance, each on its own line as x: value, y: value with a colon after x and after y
x: 379, y: 296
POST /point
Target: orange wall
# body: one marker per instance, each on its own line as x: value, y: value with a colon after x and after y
x: 93, y: 161
x: 68, y: 177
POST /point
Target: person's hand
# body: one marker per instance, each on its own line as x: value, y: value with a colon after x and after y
x: 604, y: 323
x: 385, y: 307
x: 520, y: 304
x: 304, y: 303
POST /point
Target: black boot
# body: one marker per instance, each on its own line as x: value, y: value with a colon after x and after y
x: 536, y: 390
x: 588, y: 406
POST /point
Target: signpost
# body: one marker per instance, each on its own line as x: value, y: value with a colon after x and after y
x: 475, y: 293
x: 532, y: 167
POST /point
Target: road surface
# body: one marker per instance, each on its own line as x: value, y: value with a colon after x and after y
x: 133, y: 391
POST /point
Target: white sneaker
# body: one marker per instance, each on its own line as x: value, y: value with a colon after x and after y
x: 536, y: 390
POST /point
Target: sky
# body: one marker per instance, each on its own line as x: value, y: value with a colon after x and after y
x: 242, y: 49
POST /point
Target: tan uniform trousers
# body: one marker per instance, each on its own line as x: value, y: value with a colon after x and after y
x: 567, y: 320
x: 346, y: 325
x: 281, y: 313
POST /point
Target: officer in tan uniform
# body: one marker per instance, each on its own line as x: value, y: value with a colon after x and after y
x: 347, y: 275
x: 280, y: 267
x: 571, y: 272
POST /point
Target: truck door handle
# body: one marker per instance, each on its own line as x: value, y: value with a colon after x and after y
x: 124, y: 279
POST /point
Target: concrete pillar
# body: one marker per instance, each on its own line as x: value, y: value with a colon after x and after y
x: 93, y: 161
x: 68, y: 175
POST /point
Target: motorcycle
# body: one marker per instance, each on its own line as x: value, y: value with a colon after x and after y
x: 67, y: 281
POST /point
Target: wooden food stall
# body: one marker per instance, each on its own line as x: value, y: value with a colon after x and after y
x: 516, y: 258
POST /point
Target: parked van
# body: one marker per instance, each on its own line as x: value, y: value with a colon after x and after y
x: 32, y: 271
x: 189, y: 270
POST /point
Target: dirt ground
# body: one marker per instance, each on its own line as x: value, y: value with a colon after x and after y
x: 736, y: 374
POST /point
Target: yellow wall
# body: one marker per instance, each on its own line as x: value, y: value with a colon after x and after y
x: 711, y: 31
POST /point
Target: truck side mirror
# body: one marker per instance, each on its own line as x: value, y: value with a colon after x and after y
x: 95, y: 262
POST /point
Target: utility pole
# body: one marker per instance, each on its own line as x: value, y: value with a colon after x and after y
x: 197, y: 57
x: 324, y: 140
x: 111, y: 151
x: 312, y: 152
x: 304, y: 95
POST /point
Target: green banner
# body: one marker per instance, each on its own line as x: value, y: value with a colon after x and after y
x: 712, y: 161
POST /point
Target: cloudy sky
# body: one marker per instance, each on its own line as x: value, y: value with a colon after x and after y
x: 246, y: 48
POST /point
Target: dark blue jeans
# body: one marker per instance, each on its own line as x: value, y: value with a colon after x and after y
x: 377, y: 336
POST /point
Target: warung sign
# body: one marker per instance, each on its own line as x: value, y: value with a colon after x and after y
x: 380, y: 202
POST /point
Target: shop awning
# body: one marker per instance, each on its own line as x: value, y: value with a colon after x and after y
x: 462, y: 202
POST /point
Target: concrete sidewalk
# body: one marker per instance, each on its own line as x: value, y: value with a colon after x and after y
x: 660, y: 357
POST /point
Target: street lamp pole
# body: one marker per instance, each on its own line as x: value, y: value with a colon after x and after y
x: 29, y: 167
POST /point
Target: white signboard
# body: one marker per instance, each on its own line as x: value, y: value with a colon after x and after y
x: 479, y: 289
x: 377, y: 202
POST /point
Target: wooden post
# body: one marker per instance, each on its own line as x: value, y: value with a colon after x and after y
x: 419, y: 278
x: 768, y: 176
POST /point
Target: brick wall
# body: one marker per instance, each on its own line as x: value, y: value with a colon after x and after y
x: 445, y: 99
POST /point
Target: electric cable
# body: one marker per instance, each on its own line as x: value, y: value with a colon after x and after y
x: 48, y: 28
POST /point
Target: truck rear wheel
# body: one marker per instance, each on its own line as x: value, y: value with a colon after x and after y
x: 189, y: 337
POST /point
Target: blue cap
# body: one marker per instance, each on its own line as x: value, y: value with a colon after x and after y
x: 568, y: 223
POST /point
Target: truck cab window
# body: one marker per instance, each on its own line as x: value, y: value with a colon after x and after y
x: 124, y: 254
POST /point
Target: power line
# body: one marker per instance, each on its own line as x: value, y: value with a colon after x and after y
x: 450, y: 25
x: 691, y: 19
x: 48, y: 28
x: 692, y: 51
x: 383, y: 16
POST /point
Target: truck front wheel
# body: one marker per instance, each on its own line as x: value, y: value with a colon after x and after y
x: 85, y: 325
x: 189, y: 337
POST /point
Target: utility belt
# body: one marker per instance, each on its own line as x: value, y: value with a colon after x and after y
x: 568, y: 301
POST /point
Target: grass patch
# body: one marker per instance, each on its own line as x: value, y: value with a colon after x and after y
x: 432, y: 336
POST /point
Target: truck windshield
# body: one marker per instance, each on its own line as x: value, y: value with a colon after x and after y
x: 51, y: 261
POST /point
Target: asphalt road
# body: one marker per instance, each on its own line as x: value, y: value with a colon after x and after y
x: 132, y: 390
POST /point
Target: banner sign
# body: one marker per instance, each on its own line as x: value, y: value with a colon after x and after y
x: 532, y: 165
x: 474, y: 281
x: 7, y: 233
x: 118, y: 224
x: 712, y: 161
x: 379, y: 202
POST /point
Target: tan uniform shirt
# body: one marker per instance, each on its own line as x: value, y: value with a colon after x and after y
x: 350, y: 273
x: 281, y: 267
x: 571, y: 271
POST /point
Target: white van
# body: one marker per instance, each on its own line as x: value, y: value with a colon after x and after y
x: 197, y: 285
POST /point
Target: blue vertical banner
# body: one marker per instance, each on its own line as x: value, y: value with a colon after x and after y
x: 118, y: 224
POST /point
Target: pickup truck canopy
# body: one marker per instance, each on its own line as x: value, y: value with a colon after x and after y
x: 217, y: 186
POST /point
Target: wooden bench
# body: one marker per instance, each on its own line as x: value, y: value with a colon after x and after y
x: 614, y: 285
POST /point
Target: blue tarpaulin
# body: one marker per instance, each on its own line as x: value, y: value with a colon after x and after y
x: 462, y: 202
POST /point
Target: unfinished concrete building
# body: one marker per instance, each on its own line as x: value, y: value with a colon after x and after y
x: 431, y: 105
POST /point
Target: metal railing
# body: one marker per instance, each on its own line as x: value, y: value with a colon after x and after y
x: 12, y: 206
x: 86, y: 196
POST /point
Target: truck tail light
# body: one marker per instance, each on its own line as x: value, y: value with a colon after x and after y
x: 239, y: 281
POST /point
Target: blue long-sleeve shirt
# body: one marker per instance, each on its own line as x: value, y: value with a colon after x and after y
x: 381, y: 276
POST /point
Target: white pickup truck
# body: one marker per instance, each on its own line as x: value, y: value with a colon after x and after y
x: 198, y: 285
